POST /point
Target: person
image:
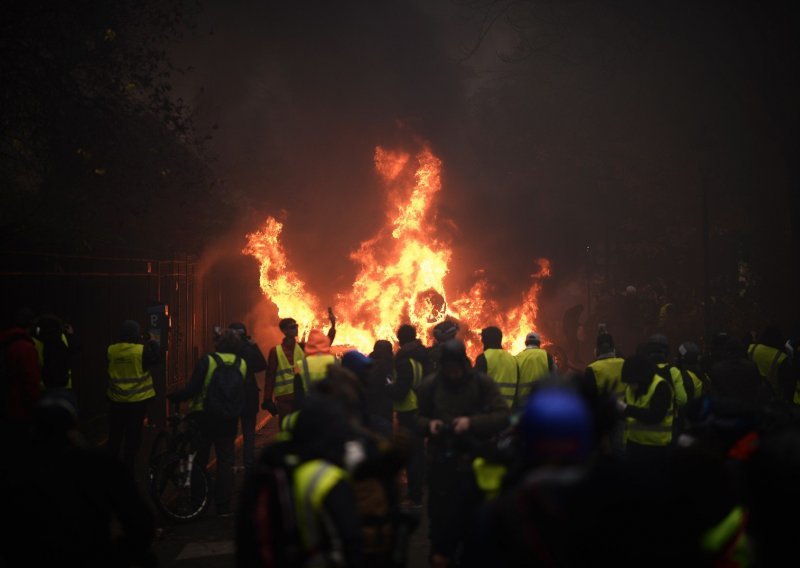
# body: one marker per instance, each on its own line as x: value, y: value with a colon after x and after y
x: 130, y: 389
x: 20, y: 375
x: 313, y: 521
x: 57, y: 348
x: 411, y: 365
x: 657, y: 351
x: 362, y: 367
x: 532, y: 521
x: 534, y: 364
x: 217, y: 430
x: 458, y: 406
x: 279, y: 380
x: 252, y: 355
x: 73, y: 504
x: 648, y: 410
x: 314, y: 364
x: 774, y: 365
x: 381, y: 374
x: 603, y: 378
x: 442, y: 331
x: 498, y: 363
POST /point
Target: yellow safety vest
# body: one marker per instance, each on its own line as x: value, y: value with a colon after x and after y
x: 128, y: 381
x: 409, y: 403
x: 698, y: 384
x: 533, y: 366
x: 679, y: 395
x: 728, y: 540
x: 313, y: 480
x: 608, y: 375
x: 502, y: 367
x: 489, y: 477
x: 313, y: 368
x: 40, y: 355
x: 768, y: 360
x: 199, y: 401
x: 648, y: 434
x: 284, y: 376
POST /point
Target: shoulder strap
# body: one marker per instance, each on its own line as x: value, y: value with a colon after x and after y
x: 216, y: 358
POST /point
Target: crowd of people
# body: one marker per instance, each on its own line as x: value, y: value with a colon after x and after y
x: 671, y: 454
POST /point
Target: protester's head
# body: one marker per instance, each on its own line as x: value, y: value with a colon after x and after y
x: 288, y: 327
x: 239, y: 328
x: 55, y: 415
x: 322, y: 428
x: 455, y: 364
x: 358, y: 363
x: 228, y: 341
x: 317, y: 343
x: 406, y: 333
x: 533, y: 339
x: 381, y: 350
x: 444, y: 330
x: 604, y: 345
x: 658, y: 348
x: 130, y: 332
x: 492, y: 337
x: 556, y: 427
x: 688, y: 353
x: 638, y: 370
x: 344, y: 386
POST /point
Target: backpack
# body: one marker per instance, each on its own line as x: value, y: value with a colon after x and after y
x: 267, y: 535
x: 225, y: 394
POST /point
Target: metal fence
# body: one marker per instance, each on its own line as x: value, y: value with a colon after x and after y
x: 96, y: 293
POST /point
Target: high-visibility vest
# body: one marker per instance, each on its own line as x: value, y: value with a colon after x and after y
x: 127, y: 379
x: 312, y: 481
x: 39, y: 344
x: 409, y: 403
x: 199, y: 401
x: 648, y: 434
x: 488, y: 476
x: 284, y: 376
x: 533, y: 366
x: 698, y: 384
x: 608, y: 375
x: 313, y: 368
x: 768, y: 360
x: 679, y: 395
x: 502, y: 367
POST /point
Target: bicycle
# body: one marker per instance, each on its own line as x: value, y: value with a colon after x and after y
x: 179, y: 486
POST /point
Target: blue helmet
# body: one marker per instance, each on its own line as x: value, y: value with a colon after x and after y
x: 556, y: 424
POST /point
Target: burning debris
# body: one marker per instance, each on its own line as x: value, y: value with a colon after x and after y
x: 402, y: 271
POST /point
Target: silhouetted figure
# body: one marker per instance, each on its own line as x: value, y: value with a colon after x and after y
x: 73, y: 505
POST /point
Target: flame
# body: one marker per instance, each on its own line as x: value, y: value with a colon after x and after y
x: 402, y: 271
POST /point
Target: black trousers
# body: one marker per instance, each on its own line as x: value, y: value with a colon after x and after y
x: 125, y: 422
x: 220, y: 433
x: 415, y: 470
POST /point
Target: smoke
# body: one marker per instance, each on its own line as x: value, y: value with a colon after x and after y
x: 583, y: 126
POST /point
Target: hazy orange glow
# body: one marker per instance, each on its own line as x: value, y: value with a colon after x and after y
x: 402, y: 272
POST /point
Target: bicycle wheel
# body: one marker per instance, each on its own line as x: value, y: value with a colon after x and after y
x: 179, y: 488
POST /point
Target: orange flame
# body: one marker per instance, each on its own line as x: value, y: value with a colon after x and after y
x: 402, y: 271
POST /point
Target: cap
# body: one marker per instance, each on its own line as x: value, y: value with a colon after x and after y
x: 533, y: 337
x: 356, y: 361
x: 556, y: 424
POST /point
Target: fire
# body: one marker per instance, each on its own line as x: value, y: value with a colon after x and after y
x: 402, y: 271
